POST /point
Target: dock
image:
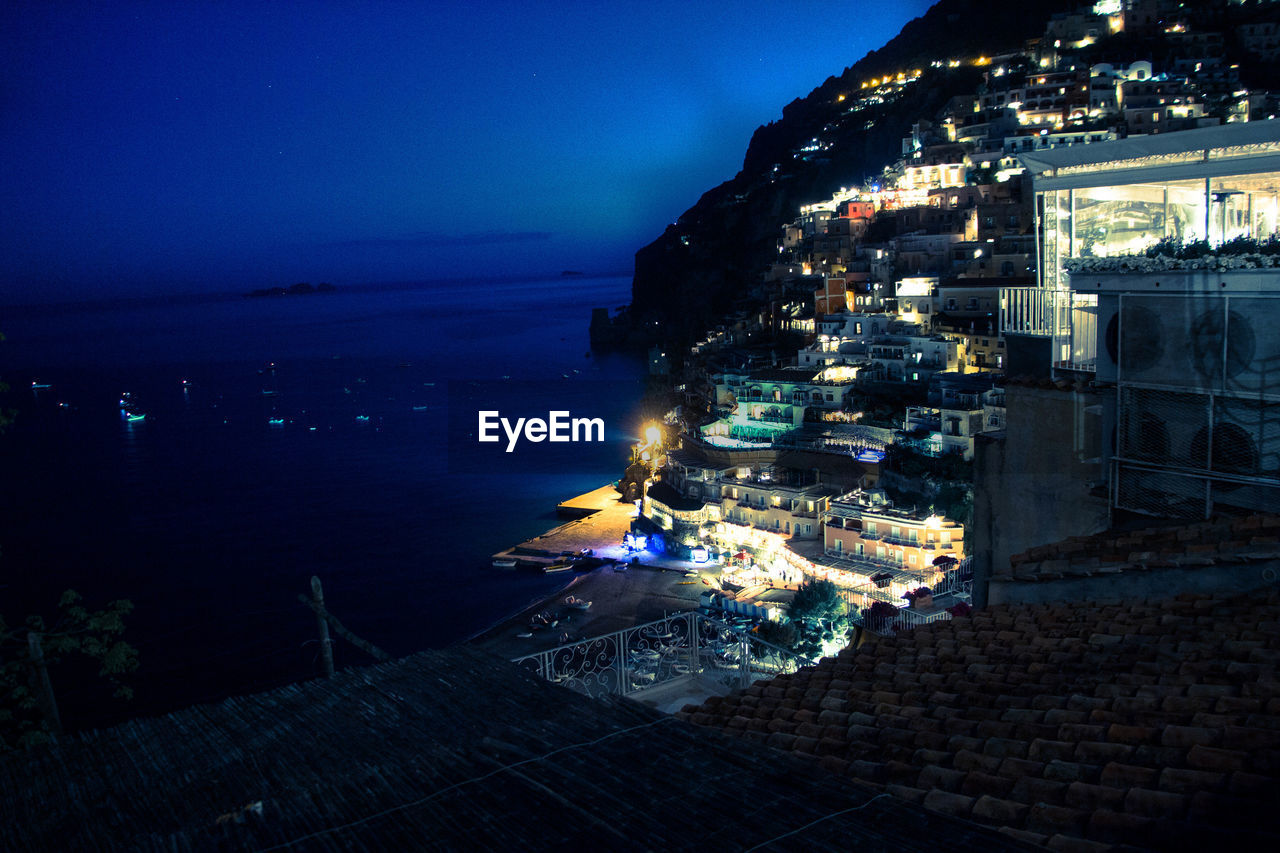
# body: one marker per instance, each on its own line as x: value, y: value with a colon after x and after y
x: 590, y: 503
x: 599, y: 522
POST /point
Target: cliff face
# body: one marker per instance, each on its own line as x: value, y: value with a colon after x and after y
x: 700, y: 265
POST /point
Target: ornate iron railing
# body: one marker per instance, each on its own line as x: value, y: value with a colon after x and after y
x: 682, y: 646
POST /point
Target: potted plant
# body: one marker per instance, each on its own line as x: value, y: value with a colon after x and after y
x: 920, y: 598
x: 879, y: 616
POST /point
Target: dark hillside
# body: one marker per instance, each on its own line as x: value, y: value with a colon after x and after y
x: 704, y: 262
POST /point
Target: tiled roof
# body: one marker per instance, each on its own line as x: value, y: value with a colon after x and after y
x: 1220, y: 541
x: 443, y: 750
x: 1150, y: 723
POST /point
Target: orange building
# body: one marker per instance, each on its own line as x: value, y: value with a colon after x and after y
x: 864, y: 526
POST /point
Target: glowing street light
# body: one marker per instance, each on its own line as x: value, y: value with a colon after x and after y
x: 652, y: 434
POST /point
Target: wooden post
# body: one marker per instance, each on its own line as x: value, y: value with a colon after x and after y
x: 43, y: 686
x: 326, y: 644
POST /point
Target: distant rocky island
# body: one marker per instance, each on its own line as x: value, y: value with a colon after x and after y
x: 301, y: 287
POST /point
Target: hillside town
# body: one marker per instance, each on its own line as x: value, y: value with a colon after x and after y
x: 859, y: 423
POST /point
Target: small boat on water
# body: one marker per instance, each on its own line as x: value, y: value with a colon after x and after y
x: 504, y: 562
x: 40, y: 386
x: 133, y: 417
x: 275, y: 421
x: 577, y: 603
x: 556, y: 567
x: 419, y: 408
x: 364, y: 419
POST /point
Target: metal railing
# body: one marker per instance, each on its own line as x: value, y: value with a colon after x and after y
x: 956, y: 583
x: 684, y: 645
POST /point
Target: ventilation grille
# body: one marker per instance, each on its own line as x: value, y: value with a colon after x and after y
x: 1182, y: 454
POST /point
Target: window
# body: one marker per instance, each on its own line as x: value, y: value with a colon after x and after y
x: 808, y: 528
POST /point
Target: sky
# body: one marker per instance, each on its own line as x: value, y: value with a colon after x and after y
x: 217, y: 146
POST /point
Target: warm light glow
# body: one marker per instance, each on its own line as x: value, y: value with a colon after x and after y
x: 652, y: 434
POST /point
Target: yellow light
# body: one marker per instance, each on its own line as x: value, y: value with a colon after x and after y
x: 652, y: 434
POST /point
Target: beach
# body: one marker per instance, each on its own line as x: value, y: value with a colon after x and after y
x: 620, y: 597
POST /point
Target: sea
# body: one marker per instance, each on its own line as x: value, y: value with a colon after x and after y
x: 328, y: 434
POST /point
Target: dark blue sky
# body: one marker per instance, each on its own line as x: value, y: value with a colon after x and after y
x: 215, y: 146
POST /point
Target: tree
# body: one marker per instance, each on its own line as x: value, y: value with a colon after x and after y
x: 76, y: 630
x: 816, y: 600
x: 818, y: 613
x: 781, y: 634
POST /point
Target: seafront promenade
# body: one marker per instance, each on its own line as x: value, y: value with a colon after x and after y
x: 619, y: 597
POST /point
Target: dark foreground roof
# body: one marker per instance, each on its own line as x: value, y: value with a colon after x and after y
x: 1081, y: 725
x: 449, y: 750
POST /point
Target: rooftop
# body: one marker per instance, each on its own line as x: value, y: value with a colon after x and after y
x: 1143, y: 722
x: 443, y: 750
x: 1223, y: 541
x: 1229, y: 149
x: 665, y: 493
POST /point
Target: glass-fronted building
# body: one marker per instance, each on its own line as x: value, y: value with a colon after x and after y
x: 1118, y: 198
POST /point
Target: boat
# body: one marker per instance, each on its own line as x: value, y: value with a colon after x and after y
x: 38, y: 385
x: 419, y: 408
x: 556, y: 567
x: 135, y: 416
x: 504, y: 562
x: 364, y: 419
x: 577, y: 603
x: 691, y: 574
x: 275, y: 421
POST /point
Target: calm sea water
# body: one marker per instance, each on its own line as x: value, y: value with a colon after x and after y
x: 211, y: 519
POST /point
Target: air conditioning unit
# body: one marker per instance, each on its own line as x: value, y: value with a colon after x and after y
x: 1177, y: 340
x: 1108, y: 344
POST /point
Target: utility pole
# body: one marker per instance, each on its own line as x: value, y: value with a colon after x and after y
x: 43, y: 686
x: 326, y: 644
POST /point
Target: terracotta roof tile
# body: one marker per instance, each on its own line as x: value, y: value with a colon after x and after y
x: 1106, y: 826
x: 1082, y: 795
x: 1104, y: 722
x: 957, y: 805
x: 1031, y: 790
x: 1055, y: 820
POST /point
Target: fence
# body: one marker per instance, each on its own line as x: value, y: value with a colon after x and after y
x: 955, y: 583
x: 682, y: 646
